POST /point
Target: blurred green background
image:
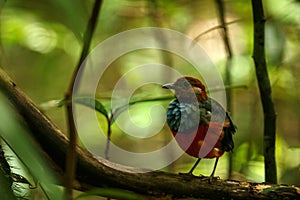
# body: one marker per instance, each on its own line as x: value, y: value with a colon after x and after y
x: 41, y: 42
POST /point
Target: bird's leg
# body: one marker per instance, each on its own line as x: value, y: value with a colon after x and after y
x: 211, y: 177
x: 193, y: 168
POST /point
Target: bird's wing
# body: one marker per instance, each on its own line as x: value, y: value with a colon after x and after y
x: 219, y: 115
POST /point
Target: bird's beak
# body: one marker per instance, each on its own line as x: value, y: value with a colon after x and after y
x: 168, y: 86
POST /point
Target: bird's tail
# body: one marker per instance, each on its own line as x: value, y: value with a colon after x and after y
x: 229, y: 130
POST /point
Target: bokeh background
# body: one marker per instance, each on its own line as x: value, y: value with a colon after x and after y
x: 41, y: 43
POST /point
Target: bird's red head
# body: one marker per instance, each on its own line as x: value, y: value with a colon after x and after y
x: 187, y: 87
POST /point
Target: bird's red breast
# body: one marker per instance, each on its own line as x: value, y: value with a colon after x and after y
x: 197, y: 140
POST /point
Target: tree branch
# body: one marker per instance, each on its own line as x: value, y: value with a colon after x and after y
x: 92, y: 172
x: 265, y: 91
x: 71, y: 154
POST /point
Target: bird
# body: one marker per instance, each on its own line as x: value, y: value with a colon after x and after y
x: 194, y: 126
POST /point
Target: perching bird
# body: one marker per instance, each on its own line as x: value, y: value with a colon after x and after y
x: 192, y: 114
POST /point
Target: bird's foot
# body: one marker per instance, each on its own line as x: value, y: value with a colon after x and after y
x: 191, y: 174
x: 209, y: 178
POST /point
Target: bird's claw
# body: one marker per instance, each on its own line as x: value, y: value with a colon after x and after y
x: 202, y: 177
x: 210, y: 178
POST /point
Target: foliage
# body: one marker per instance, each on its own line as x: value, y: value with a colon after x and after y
x: 40, y: 48
x: 17, y: 138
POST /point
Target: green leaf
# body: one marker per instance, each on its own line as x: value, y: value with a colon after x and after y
x: 111, y: 193
x: 93, y: 103
x: 18, y: 139
x: 87, y: 101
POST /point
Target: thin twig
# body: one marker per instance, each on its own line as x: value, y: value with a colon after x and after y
x: 71, y: 153
x: 109, y: 123
x: 215, y: 28
x: 265, y: 91
x: 228, y: 49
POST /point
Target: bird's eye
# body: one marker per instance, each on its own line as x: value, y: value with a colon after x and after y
x: 186, y: 84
